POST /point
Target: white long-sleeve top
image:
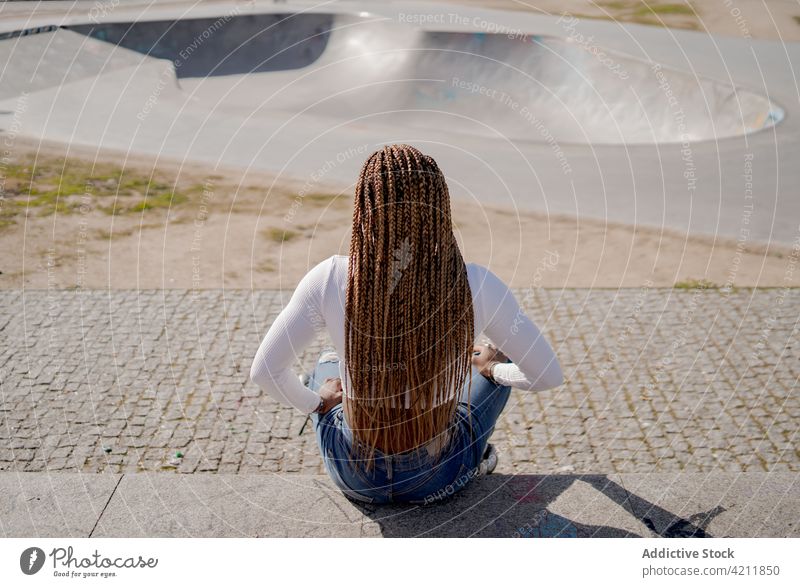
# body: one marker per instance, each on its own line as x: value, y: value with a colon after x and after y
x: 318, y: 304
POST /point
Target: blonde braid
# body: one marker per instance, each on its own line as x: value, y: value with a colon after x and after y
x: 409, y: 321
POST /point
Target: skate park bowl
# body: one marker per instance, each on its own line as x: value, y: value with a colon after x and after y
x: 520, y: 86
x: 589, y: 118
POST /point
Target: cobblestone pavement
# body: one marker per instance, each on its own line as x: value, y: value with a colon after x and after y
x: 657, y: 380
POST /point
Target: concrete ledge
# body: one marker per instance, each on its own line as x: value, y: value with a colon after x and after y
x: 626, y: 505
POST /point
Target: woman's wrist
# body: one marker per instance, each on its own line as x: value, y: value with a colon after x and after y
x: 487, y: 371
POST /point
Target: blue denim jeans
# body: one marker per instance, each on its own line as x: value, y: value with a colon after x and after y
x: 418, y: 476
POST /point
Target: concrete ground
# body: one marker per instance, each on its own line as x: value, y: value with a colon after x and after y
x: 679, y: 416
x: 276, y: 505
x: 658, y: 380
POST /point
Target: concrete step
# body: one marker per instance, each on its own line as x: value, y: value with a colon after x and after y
x: 724, y: 504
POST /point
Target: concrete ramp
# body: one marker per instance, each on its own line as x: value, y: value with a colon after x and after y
x: 539, y: 120
x: 525, y: 87
x: 224, y: 45
x: 33, y: 63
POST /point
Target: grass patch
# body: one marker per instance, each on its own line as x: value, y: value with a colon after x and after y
x: 266, y: 266
x: 279, y: 235
x: 108, y: 235
x: 646, y: 12
x: 160, y: 200
x: 69, y: 186
x: 695, y: 284
x: 321, y: 198
x: 681, y: 9
x: 615, y: 5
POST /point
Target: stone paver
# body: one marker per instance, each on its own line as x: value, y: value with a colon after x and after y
x: 658, y: 380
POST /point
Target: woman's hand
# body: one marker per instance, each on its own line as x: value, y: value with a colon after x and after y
x: 486, y: 356
x: 331, y: 393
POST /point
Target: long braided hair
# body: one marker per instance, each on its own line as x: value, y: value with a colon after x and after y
x: 409, y: 323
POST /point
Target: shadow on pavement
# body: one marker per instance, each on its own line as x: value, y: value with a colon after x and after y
x: 522, y: 506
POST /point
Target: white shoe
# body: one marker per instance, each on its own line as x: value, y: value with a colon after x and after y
x: 328, y: 357
x: 489, y: 461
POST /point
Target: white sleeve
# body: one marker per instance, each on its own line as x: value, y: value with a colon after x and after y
x: 295, y: 328
x: 535, y: 366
